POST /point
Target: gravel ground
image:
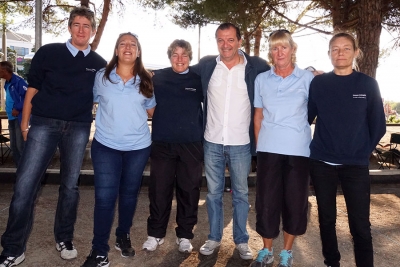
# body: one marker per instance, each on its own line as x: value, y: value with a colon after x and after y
x: 385, y: 219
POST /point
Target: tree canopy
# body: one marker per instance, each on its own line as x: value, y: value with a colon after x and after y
x: 55, y: 14
x: 254, y: 17
x: 365, y: 18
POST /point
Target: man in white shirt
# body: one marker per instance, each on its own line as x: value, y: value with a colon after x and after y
x: 228, y: 88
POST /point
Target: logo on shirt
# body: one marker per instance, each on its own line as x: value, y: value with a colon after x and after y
x: 92, y: 70
x: 190, y: 89
x: 363, y: 96
x: 25, y: 88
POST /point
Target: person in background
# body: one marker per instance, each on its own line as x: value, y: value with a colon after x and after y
x: 121, y: 145
x: 60, y: 99
x: 350, y: 122
x: 177, y: 149
x: 15, y: 88
x: 228, y: 88
x: 283, y: 136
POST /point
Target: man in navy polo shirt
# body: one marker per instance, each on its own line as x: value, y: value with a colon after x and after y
x: 60, y: 100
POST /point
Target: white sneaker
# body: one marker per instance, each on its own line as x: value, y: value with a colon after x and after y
x: 152, y: 243
x: 244, y: 251
x: 67, y: 249
x: 209, y: 247
x: 184, y: 245
x: 8, y: 261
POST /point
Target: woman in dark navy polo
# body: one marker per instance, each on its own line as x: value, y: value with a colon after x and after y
x: 177, y: 150
x: 350, y: 122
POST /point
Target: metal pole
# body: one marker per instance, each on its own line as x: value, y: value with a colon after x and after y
x: 198, y: 53
x: 38, y: 24
x: 4, y: 50
x: 4, y: 43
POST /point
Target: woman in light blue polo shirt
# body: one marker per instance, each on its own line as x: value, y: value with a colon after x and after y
x: 283, y: 136
x: 121, y: 145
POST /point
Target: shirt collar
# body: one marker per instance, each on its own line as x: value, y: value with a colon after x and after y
x: 185, y: 71
x: 114, y: 76
x: 240, y: 52
x: 296, y: 72
x: 74, y: 51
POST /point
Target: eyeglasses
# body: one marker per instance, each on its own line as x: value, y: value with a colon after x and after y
x: 130, y: 33
x: 281, y: 30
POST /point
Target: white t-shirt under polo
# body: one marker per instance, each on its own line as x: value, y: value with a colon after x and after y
x: 228, y: 109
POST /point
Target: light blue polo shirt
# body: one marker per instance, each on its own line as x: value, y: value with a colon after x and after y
x: 121, y: 117
x: 284, y: 128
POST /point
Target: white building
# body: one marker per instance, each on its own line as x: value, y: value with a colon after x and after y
x: 21, y: 43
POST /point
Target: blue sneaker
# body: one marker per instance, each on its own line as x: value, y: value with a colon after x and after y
x: 286, y: 258
x: 265, y: 258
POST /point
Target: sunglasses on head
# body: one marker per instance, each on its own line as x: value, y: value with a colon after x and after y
x: 129, y: 33
x: 281, y: 30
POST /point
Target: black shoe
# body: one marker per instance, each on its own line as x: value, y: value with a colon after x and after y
x: 94, y: 260
x: 123, y: 244
x: 8, y: 261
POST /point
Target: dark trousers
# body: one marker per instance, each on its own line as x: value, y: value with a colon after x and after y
x: 282, y: 189
x: 355, y: 183
x: 117, y: 177
x: 179, y: 165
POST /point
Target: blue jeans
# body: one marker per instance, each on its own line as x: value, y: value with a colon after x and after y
x: 238, y: 159
x: 355, y: 184
x: 16, y: 140
x: 117, y: 174
x: 44, y: 136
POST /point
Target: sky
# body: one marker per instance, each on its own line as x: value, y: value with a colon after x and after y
x: 156, y: 32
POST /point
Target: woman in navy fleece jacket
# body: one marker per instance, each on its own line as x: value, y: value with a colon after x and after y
x: 350, y: 122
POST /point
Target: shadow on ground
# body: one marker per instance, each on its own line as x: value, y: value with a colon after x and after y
x: 41, y: 252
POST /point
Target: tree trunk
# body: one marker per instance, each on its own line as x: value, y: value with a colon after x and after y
x: 257, y: 41
x: 85, y: 3
x: 102, y: 25
x: 336, y: 16
x: 246, y: 40
x: 368, y: 34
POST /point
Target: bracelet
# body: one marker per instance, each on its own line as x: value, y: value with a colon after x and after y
x: 27, y: 129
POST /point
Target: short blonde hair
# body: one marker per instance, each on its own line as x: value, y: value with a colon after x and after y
x: 281, y: 37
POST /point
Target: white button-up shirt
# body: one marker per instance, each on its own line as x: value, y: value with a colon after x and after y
x: 228, y: 108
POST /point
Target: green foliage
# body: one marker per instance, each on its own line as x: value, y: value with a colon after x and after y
x: 247, y: 14
x: 396, y: 106
x: 392, y: 119
x: 251, y: 16
x: 9, y: 10
x: 54, y: 15
x: 12, y: 56
x: 24, y: 72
